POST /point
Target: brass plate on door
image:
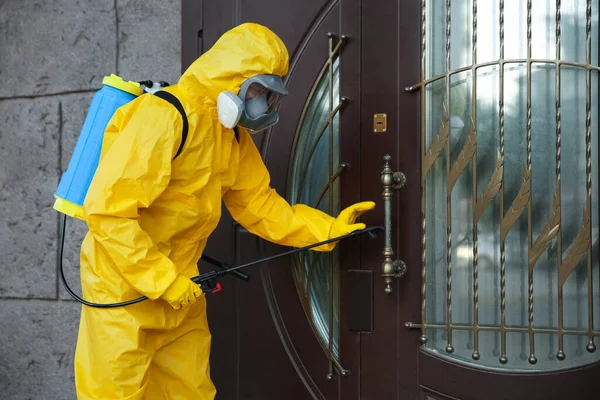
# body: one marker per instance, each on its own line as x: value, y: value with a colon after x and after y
x: 379, y: 123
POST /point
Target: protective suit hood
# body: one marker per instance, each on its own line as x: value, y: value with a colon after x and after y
x: 241, y: 53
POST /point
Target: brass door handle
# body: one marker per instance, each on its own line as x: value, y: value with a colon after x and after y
x: 391, y: 181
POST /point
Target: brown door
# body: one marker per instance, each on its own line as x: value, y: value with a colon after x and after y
x: 497, y: 224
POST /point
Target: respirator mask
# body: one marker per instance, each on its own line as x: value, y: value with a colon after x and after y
x: 255, y: 106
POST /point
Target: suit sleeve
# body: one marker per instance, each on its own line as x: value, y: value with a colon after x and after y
x: 131, y: 175
x: 259, y: 209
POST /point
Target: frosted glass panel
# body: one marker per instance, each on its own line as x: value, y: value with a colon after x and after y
x: 510, y: 175
x: 317, y: 274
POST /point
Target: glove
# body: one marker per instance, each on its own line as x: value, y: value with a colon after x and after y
x: 344, y: 223
x: 182, y: 293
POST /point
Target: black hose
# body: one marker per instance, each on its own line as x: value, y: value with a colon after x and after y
x: 200, y: 278
x: 61, y: 245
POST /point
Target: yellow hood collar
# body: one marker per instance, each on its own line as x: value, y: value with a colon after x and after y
x: 241, y: 53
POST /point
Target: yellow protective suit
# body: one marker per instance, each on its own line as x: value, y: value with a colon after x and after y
x: 150, y: 216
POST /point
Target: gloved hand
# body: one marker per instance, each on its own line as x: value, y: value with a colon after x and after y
x: 182, y: 293
x: 344, y: 223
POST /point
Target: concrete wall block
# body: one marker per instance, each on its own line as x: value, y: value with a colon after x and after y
x: 29, y: 137
x: 55, y: 46
x: 37, y: 339
x: 149, y: 39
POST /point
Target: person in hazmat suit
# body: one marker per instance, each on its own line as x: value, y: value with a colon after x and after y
x: 150, y: 214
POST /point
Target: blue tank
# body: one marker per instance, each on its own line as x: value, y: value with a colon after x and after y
x: 76, y: 180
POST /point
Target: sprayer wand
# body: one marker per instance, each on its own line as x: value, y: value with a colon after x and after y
x: 208, y: 280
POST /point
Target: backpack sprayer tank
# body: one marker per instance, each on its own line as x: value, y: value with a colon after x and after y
x: 76, y: 180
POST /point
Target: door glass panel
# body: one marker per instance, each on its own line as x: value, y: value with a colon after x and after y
x: 313, y: 181
x: 510, y: 183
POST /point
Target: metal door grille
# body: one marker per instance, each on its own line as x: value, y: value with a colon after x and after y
x: 462, y: 163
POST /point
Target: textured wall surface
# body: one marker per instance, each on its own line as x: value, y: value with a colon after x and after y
x: 53, y: 56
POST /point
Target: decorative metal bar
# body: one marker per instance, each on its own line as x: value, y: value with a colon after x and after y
x: 330, y: 173
x: 489, y: 328
x: 343, y: 371
x: 591, y: 347
x: 333, y: 51
x: 551, y: 308
x: 343, y: 167
x: 560, y: 355
x: 503, y: 358
x: 532, y: 357
x: 424, y: 175
x: 448, y: 36
x: 475, y: 354
x: 464, y: 158
x: 436, y: 146
x: 449, y: 346
x: 424, y: 83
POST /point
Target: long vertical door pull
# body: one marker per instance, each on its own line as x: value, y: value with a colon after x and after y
x: 391, y: 181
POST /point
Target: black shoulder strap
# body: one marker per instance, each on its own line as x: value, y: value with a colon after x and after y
x: 177, y: 104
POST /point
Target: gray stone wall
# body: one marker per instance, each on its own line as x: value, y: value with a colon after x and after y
x: 53, y: 56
